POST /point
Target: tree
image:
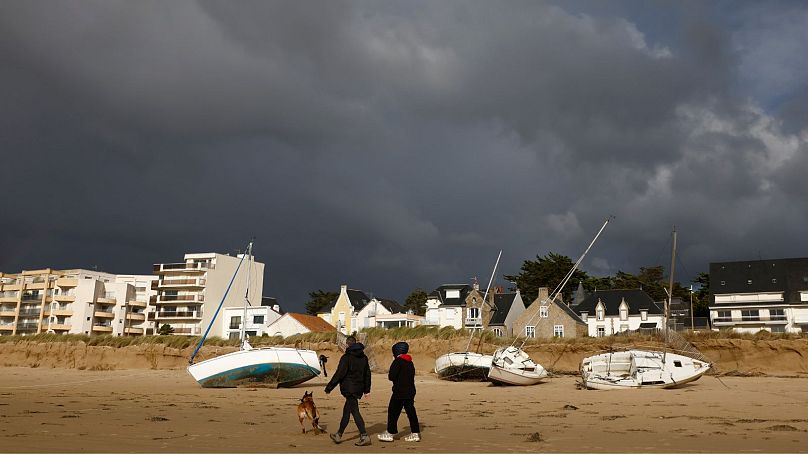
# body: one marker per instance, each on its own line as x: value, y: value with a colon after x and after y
x: 319, y: 300
x: 701, y: 297
x: 166, y: 330
x: 547, y: 271
x: 416, y: 302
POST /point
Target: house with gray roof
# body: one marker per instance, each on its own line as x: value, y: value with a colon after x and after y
x: 608, y: 312
x: 507, y: 307
x: 546, y: 318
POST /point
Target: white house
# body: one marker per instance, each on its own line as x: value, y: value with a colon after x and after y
x: 445, y: 305
x: 258, y: 320
x: 607, y: 312
x: 398, y: 320
x: 758, y: 295
x: 291, y: 323
x: 367, y: 316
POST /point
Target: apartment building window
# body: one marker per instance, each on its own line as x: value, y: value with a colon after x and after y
x: 235, y: 322
x: 558, y: 331
x: 258, y: 319
x: 601, y: 331
x: 530, y: 332
x: 724, y: 316
x: 544, y: 311
x: 777, y: 314
x: 750, y: 315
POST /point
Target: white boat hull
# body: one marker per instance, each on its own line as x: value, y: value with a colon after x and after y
x: 635, y: 369
x: 463, y: 366
x: 512, y: 366
x: 282, y: 367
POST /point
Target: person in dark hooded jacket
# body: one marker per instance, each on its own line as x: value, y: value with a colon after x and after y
x: 402, y: 374
x: 353, y: 377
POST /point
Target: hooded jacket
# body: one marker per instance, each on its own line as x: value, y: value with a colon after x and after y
x: 353, y: 372
x: 402, y: 374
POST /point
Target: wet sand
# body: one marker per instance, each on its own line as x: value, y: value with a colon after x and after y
x: 68, y: 410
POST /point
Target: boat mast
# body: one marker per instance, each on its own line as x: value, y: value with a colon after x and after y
x: 485, y: 298
x: 242, y: 334
x: 668, y: 302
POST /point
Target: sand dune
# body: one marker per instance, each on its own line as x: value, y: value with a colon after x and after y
x: 777, y: 357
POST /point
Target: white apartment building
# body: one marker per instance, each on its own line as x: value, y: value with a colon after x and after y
x: 760, y: 295
x: 189, y: 292
x: 73, y: 301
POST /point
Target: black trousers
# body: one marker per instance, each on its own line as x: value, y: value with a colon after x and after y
x: 351, y: 408
x: 394, y: 411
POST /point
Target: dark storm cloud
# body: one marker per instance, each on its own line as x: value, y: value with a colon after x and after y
x: 393, y: 145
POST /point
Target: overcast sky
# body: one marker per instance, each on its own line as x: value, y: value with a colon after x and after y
x: 394, y: 145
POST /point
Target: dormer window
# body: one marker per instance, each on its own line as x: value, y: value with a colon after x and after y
x: 599, y: 312
x: 643, y: 315
x: 623, y: 311
x: 749, y: 282
x: 584, y: 316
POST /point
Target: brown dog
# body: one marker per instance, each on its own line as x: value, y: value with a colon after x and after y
x: 307, y: 409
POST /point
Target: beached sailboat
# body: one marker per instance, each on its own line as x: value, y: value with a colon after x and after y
x: 272, y: 366
x: 638, y: 368
x: 512, y: 365
x: 467, y: 365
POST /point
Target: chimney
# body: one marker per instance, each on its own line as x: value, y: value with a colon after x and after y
x: 544, y: 293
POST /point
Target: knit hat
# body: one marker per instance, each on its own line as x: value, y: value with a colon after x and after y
x: 400, y: 348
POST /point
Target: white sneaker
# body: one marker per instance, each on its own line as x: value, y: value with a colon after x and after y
x: 413, y: 437
x: 385, y: 436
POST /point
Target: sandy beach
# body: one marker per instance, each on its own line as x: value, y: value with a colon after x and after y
x: 48, y: 410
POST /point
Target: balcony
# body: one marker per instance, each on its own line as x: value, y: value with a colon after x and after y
x: 181, y: 283
x: 163, y: 315
x: 6, y: 327
x: 179, y: 299
x: 474, y: 321
x: 65, y: 298
x: 67, y: 282
x: 133, y: 331
x: 136, y: 316
x: 751, y: 320
x: 136, y: 303
x: 107, y: 299
x: 182, y: 267
x: 102, y: 328
x: 104, y: 314
x: 59, y: 327
x: 8, y: 312
x: 188, y: 331
x: 30, y: 312
x: 8, y: 299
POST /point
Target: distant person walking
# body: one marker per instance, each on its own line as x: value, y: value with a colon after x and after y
x: 402, y: 374
x: 323, y: 360
x: 353, y: 377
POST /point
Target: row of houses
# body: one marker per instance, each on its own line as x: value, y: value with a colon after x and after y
x: 746, y: 296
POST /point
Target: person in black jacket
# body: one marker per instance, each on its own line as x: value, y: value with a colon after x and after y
x: 353, y: 377
x: 402, y: 374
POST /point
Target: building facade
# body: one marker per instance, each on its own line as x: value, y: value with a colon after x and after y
x: 608, y: 312
x: 459, y: 306
x: 75, y: 301
x: 189, y: 292
x: 259, y: 318
x: 343, y: 312
x: 751, y: 296
x: 509, y: 306
x: 546, y: 318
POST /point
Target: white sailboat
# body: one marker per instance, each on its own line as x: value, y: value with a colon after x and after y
x: 637, y: 368
x: 274, y: 366
x: 467, y: 365
x: 512, y: 365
